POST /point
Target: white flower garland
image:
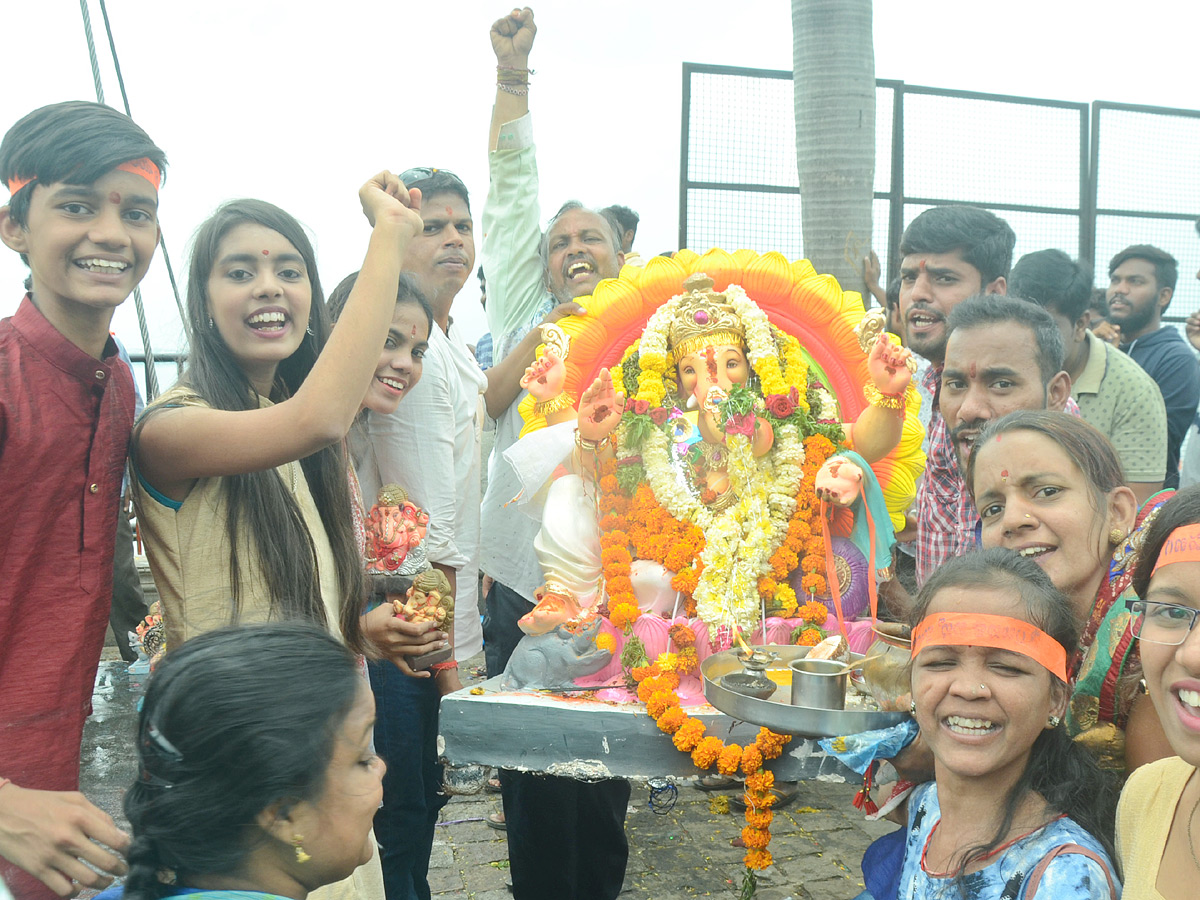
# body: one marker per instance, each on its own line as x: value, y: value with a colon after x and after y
x: 739, y: 540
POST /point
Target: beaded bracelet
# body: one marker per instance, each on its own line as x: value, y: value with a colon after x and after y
x: 509, y: 89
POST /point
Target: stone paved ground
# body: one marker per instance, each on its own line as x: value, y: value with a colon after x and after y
x: 818, y: 843
x: 818, y: 840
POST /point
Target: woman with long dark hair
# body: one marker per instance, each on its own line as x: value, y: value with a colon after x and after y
x: 241, y: 481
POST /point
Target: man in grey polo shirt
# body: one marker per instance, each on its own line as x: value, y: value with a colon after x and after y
x: 1114, y: 393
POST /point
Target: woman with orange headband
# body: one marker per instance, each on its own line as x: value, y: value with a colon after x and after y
x: 1157, y: 819
x: 1051, y: 487
x: 1016, y: 808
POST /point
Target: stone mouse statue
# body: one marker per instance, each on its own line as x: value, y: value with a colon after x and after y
x: 554, y: 659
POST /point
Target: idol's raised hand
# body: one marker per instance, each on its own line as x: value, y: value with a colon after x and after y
x: 838, y: 481
x: 600, y: 408
x: 544, y: 379
x: 888, y: 364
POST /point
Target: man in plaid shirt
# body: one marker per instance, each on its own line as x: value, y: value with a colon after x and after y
x: 949, y: 254
x: 1002, y: 354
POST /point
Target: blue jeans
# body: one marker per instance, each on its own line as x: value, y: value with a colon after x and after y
x: 406, y: 728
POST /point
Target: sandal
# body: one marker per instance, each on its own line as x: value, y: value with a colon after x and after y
x: 491, y: 786
x: 715, y: 783
x: 784, y: 794
x: 496, y: 820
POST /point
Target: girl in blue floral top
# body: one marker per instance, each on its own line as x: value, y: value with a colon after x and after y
x: 1016, y: 808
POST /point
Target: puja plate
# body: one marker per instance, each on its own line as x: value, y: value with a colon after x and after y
x: 782, y: 717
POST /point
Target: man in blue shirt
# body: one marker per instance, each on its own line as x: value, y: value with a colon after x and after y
x: 1141, y: 285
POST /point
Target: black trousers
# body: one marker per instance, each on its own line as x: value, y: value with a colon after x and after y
x: 128, y: 603
x: 566, y: 838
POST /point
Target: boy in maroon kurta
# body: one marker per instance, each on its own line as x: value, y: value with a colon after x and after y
x: 83, y: 214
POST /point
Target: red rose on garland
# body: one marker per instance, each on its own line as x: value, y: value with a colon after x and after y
x: 740, y: 425
x: 779, y: 405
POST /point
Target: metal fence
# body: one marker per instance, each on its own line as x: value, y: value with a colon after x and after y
x: 1089, y: 180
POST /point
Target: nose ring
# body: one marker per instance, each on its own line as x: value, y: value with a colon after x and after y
x: 982, y: 688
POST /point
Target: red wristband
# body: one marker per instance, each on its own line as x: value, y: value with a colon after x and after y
x: 443, y: 666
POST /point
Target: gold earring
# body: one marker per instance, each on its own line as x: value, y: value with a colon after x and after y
x: 1116, y: 536
x: 301, y: 856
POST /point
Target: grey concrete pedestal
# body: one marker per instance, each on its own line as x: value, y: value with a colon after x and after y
x: 581, y: 738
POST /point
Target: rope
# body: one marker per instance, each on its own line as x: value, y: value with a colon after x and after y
x: 91, y: 43
x: 143, y: 325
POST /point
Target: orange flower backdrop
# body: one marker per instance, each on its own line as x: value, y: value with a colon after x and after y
x: 812, y: 308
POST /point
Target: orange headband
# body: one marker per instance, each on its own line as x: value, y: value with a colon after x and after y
x: 1183, y: 545
x: 143, y: 167
x: 1001, y: 632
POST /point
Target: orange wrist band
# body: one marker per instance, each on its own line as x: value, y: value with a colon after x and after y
x: 1183, y: 545
x: 1001, y: 632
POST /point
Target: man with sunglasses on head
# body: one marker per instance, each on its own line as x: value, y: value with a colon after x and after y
x: 429, y: 446
x: 566, y: 839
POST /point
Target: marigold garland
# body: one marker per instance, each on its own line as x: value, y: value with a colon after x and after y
x: 657, y: 686
x: 730, y: 759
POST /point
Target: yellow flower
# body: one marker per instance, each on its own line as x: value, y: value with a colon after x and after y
x: 605, y: 641
x: 813, y: 612
x: 668, y: 662
x: 729, y: 760
x: 689, y: 735
x: 760, y: 781
x: 758, y: 859
x: 755, y: 838
x: 771, y: 744
x: 759, y: 818
x: 752, y: 759
x: 707, y: 752
x: 672, y: 720
x: 660, y: 702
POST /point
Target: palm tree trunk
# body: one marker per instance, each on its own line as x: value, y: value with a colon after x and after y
x: 834, y: 68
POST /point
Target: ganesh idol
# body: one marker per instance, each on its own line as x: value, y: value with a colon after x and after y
x: 704, y: 465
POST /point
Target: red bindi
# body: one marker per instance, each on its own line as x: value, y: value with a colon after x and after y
x: 114, y: 197
x: 1004, y: 473
x: 922, y: 265
x: 266, y: 253
x: 972, y: 370
x: 414, y: 331
x: 449, y: 211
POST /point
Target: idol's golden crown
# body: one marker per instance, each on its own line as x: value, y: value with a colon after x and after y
x: 392, y: 495
x: 702, y: 318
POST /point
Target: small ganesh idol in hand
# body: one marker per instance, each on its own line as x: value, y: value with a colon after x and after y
x: 395, y: 529
x: 428, y: 600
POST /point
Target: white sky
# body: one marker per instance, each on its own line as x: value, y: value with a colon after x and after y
x: 299, y: 103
